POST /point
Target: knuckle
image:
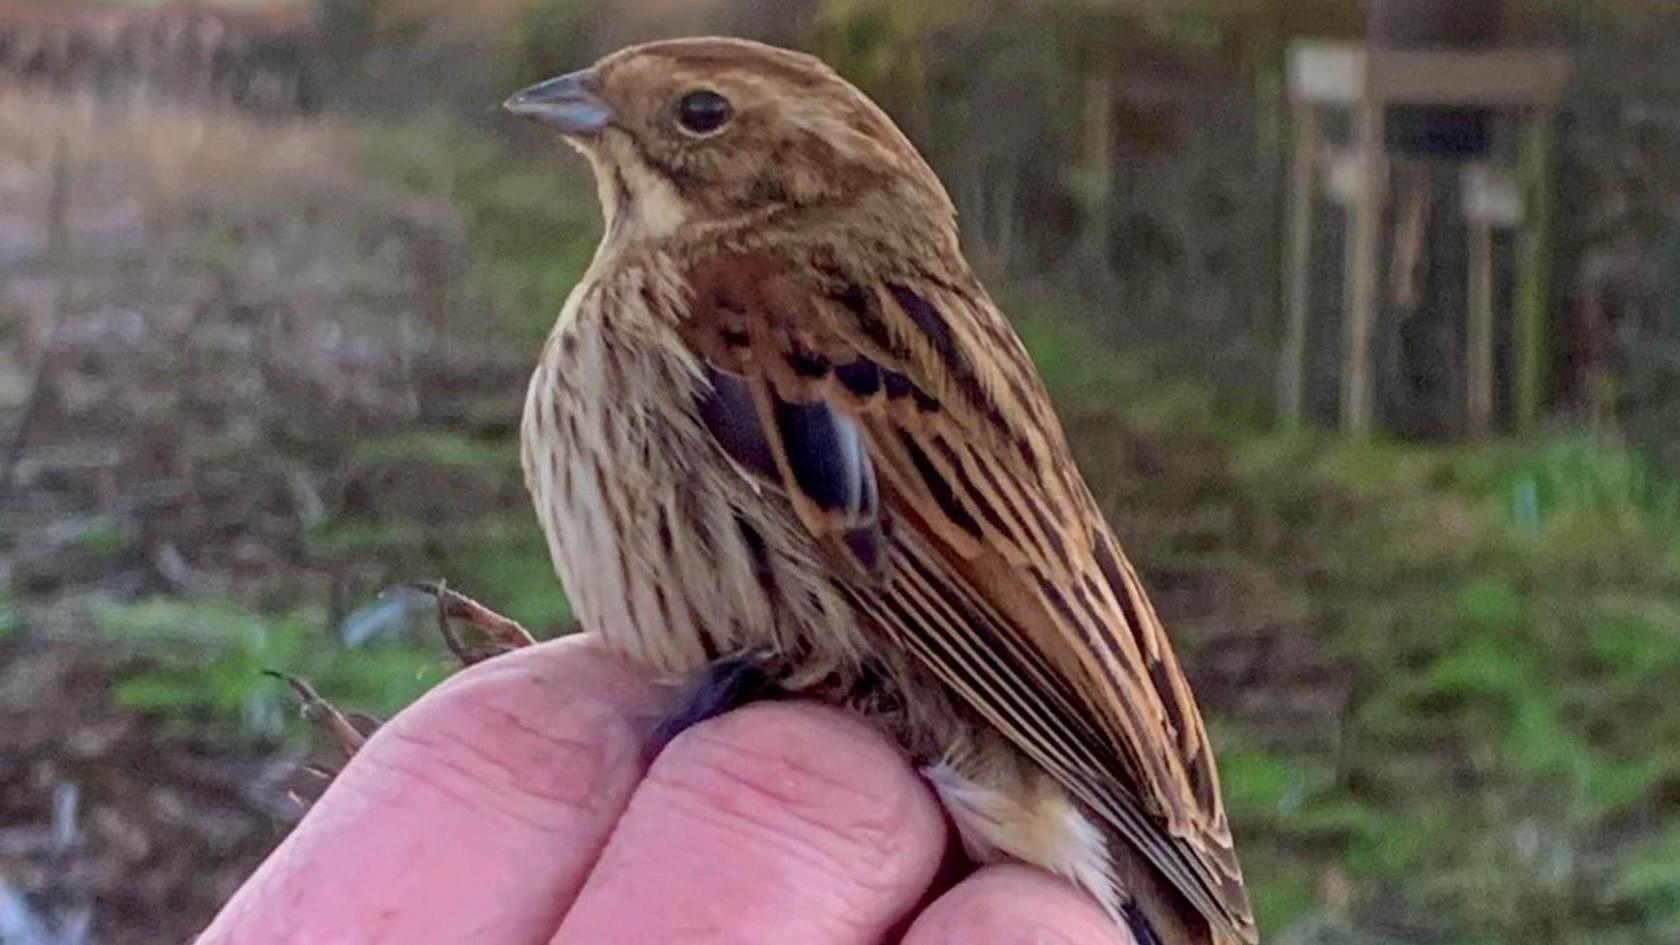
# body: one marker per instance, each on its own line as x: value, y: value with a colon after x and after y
x: 477, y: 747
x: 823, y: 783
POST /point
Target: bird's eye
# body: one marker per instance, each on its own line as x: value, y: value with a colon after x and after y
x: 703, y: 111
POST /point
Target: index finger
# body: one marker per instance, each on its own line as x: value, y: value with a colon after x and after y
x: 474, y: 815
x: 779, y: 822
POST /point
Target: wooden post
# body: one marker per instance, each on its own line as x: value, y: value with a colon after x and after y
x: 1479, y: 334
x: 1360, y: 308
x: 59, y: 262
x: 1096, y: 166
x: 1367, y: 79
x: 1292, y: 372
x: 1534, y: 263
x: 1099, y: 130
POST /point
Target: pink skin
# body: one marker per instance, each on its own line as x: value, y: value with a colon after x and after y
x: 511, y: 807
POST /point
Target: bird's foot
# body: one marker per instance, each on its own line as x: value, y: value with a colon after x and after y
x: 348, y: 731
x: 498, y: 634
x: 724, y: 684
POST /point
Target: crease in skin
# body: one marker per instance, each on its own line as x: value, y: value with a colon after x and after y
x: 566, y: 764
x: 525, y: 680
x: 569, y: 772
x: 791, y: 761
x: 769, y: 889
x: 458, y: 789
x: 836, y: 859
x: 401, y: 849
x: 787, y: 873
x: 715, y: 764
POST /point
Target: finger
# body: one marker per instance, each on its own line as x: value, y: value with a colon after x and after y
x: 1007, y: 905
x: 776, y: 823
x: 474, y: 815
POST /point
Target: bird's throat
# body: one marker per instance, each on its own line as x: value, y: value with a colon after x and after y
x: 636, y: 203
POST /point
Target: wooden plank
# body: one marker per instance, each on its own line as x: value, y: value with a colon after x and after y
x: 1361, y: 270
x: 1344, y: 73
x: 1534, y: 271
x: 1343, y: 176
x: 1098, y: 126
x: 1326, y: 72
x: 1492, y: 194
x: 1292, y: 372
x: 1499, y: 77
x: 1479, y: 368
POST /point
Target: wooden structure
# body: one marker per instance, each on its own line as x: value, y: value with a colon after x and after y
x: 1366, y: 83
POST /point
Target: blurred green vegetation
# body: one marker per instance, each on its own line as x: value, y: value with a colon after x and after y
x: 487, y: 544
x: 411, y: 503
x: 530, y: 222
x: 207, y: 662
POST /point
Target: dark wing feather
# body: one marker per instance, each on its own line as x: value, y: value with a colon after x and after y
x: 1000, y: 573
x: 809, y: 445
x: 727, y: 408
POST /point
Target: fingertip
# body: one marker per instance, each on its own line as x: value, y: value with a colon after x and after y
x: 819, y: 774
x: 780, y: 822
x: 485, y: 802
x: 803, y: 753
x: 545, y: 734
x: 1011, y: 904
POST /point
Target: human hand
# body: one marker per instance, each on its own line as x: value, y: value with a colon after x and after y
x: 513, y: 805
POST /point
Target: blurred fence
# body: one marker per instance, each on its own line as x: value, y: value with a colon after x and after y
x: 254, y: 55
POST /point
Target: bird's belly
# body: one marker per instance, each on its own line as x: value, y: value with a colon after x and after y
x: 665, y: 548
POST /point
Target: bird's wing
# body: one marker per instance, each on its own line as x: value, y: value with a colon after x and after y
x: 903, y: 420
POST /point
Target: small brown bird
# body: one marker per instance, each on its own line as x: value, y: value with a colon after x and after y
x: 780, y: 424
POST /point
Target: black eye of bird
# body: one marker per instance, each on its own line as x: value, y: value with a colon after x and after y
x: 703, y: 111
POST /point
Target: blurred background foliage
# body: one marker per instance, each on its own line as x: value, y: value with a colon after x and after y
x: 273, y: 361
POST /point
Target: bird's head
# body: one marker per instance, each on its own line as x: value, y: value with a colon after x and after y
x: 715, y: 130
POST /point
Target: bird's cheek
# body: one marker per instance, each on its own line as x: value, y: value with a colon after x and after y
x: 652, y: 206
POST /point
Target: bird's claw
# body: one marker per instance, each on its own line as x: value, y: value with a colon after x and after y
x: 349, y: 731
x: 501, y: 634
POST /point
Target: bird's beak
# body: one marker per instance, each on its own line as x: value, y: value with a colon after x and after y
x: 571, y: 104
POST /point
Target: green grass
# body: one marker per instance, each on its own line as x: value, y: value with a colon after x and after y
x: 530, y: 222
x: 437, y: 448
x: 104, y: 538
x: 507, y: 562
x: 343, y: 540
x: 205, y: 663
x: 1651, y: 877
x: 488, y: 546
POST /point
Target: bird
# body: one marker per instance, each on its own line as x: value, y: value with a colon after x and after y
x: 780, y: 431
